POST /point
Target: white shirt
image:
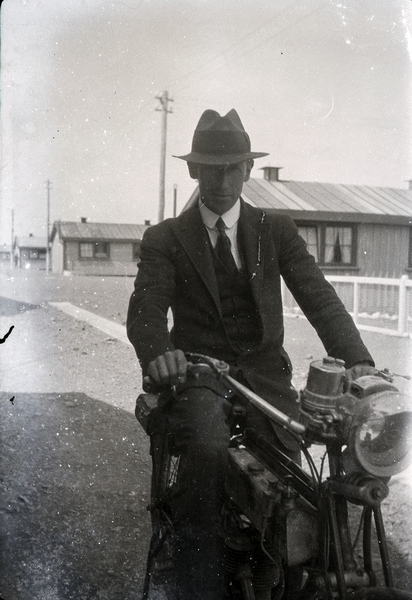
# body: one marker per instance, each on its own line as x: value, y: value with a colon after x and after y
x: 230, y: 219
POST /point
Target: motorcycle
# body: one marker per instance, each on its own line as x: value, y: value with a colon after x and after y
x: 275, y: 508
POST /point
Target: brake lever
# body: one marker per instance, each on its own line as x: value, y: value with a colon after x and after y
x: 386, y: 374
x: 220, y: 367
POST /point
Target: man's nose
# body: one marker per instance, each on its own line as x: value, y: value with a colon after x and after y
x: 222, y: 174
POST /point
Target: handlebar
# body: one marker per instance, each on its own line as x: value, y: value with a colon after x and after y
x: 221, y: 370
x: 269, y: 410
x: 151, y: 387
x: 332, y: 413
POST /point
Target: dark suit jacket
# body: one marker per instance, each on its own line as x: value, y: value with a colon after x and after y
x: 176, y: 270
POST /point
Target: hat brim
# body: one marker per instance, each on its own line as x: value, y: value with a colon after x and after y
x: 219, y: 159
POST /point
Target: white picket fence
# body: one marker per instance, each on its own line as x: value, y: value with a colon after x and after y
x: 376, y: 304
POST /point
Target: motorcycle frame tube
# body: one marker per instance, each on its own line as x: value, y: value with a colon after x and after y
x: 275, y: 460
x: 383, y: 547
x: 272, y: 412
x: 336, y: 507
x: 367, y: 544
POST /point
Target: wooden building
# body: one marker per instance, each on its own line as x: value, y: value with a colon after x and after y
x: 84, y: 248
x: 350, y: 229
x: 5, y: 255
x: 30, y: 252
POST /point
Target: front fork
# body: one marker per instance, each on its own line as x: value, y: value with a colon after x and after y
x: 346, y: 574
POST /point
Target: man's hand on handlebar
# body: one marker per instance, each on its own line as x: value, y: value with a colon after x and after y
x: 169, y: 368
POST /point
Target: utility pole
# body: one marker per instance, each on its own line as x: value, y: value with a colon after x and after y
x: 48, y: 187
x: 174, y: 199
x: 164, y: 108
x: 12, y: 240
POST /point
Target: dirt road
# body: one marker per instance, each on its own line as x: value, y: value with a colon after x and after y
x: 75, y: 467
x: 74, y: 463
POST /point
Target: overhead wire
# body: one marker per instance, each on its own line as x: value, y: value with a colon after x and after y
x: 278, y: 33
x: 120, y: 130
x: 233, y: 45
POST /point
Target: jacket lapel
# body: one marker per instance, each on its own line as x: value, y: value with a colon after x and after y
x: 193, y: 236
x: 254, y: 230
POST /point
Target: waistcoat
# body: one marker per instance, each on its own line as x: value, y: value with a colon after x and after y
x: 240, y: 316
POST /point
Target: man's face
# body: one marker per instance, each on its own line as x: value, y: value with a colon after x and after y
x: 221, y: 185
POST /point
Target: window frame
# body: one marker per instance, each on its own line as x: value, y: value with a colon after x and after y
x: 321, y: 227
x: 95, y: 254
x: 311, y: 225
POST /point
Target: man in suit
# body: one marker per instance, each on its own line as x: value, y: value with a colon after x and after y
x: 218, y: 267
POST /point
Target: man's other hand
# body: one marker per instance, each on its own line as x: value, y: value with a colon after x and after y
x: 168, y: 368
x: 359, y: 370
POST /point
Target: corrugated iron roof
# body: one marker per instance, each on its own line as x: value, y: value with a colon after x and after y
x: 263, y: 195
x: 327, y: 201
x: 101, y: 231
x: 328, y: 197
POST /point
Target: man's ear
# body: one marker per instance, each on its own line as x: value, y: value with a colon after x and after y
x: 249, y: 167
x: 192, y: 169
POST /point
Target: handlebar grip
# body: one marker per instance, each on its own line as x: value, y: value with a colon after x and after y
x: 151, y: 387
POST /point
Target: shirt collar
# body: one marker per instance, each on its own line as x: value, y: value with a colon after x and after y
x: 230, y: 218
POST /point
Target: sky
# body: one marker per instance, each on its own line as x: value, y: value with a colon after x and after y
x: 324, y: 86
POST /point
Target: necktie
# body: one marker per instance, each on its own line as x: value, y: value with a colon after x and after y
x: 223, y: 248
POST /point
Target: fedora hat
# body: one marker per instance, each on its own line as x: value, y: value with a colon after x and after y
x: 220, y: 140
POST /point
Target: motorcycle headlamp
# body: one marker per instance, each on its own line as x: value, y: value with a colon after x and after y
x: 370, y: 416
x: 379, y: 432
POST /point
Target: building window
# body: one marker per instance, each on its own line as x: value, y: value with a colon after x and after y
x: 86, y: 250
x: 331, y: 245
x: 101, y: 250
x: 94, y: 250
x: 338, y: 246
x: 33, y: 254
x: 311, y: 236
